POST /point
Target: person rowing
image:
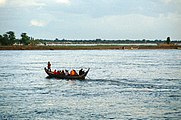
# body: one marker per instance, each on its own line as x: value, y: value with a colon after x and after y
x: 81, y: 72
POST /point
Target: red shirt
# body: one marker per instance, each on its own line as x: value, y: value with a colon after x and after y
x: 49, y: 65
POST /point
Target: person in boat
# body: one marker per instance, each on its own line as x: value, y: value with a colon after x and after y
x: 49, y: 66
x: 81, y: 72
x: 62, y: 73
x: 55, y: 72
x: 58, y: 73
x: 66, y: 72
x: 73, y: 73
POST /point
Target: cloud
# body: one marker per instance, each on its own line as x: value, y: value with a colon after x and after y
x: 93, y: 18
x: 23, y: 3
x: 101, y: 8
x: 167, y: 1
x: 171, y: 1
x: 38, y: 23
x: 2, y: 2
x: 131, y: 26
x: 63, y: 2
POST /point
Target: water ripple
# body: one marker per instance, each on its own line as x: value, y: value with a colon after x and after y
x: 120, y: 85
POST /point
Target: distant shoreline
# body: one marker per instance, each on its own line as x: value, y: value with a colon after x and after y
x: 98, y: 47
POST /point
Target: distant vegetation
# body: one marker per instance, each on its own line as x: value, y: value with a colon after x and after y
x: 168, y: 40
x: 9, y: 38
x: 100, y: 41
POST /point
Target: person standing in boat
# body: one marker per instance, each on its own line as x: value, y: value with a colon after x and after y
x: 49, y: 66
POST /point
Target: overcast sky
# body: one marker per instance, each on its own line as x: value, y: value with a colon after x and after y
x: 92, y: 19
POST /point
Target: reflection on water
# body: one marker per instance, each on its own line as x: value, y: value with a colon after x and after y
x: 121, y: 84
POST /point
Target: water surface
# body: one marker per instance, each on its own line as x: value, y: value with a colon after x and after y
x: 121, y: 84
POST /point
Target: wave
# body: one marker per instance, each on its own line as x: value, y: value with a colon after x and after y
x: 139, y: 84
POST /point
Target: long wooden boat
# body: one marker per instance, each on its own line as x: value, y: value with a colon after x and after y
x: 77, y: 77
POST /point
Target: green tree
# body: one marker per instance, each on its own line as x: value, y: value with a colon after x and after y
x: 25, y: 39
x: 33, y: 42
x: 8, y: 38
x: 11, y: 37
x: 1, y: 39
x: 5, y: 39
x: 168, y: 40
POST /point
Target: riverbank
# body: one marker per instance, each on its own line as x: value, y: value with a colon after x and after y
x: 97, y: 47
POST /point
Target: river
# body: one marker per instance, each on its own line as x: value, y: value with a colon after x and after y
x: 121, y: 84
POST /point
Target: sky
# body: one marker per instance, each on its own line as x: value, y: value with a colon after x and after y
x: 92, y: 19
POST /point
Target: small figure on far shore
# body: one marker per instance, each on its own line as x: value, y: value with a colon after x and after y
x: 49, y: 66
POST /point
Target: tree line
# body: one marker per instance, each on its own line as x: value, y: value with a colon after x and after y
x: 9, y: 38
x: 107, y: 41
